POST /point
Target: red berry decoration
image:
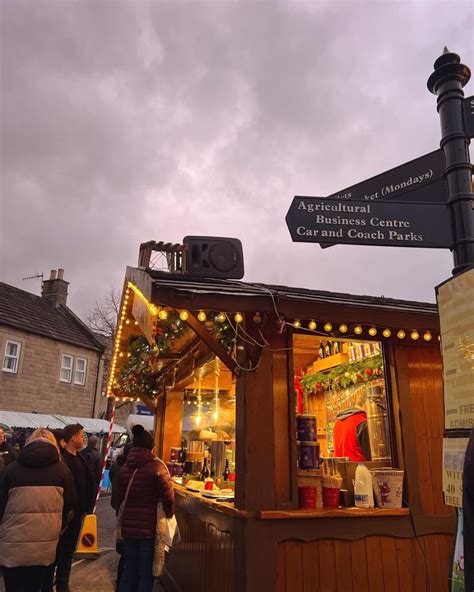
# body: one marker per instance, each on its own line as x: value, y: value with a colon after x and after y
x: 368, y: 371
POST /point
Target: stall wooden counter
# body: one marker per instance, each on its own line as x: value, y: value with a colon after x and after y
x: 263, y: 542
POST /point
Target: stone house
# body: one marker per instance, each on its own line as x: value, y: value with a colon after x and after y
x: 51, y: 361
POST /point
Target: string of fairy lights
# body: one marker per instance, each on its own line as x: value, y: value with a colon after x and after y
x: 320, y: 328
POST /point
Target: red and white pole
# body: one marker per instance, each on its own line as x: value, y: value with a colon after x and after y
x: 109, y: 443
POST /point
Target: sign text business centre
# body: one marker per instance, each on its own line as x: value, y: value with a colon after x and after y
x: 324, y: 220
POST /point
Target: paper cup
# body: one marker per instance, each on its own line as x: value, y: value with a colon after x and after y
x: 331, y: 497
x: 388, y: 487
x: 307, y: 497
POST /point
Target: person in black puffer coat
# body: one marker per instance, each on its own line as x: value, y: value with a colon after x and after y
x: 37, y: 496
x: 151, y: 484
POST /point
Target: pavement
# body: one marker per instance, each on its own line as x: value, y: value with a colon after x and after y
x: 98, y: 574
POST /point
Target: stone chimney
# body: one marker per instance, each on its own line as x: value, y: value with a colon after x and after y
x: 55, y: 289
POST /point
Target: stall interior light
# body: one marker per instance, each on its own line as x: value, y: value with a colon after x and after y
x: 358, y: 330
x: 238, y: 318
x: 427, y: 336
x: 202, y: 316
x: 401, y: 334
x: 221, y: 317
x: 327, y: 327
x: 296, y: 323
x: 372, y: 331
x: 312, y: 325
x: 163, y: 314
x: 184, y: 315
x: 343, y: 328
x: 386, y: 332
x: 414, y: 335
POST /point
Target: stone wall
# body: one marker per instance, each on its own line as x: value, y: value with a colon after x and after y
x: 36, y: 385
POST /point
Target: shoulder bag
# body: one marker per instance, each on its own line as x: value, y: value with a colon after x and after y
x: 118, y: 527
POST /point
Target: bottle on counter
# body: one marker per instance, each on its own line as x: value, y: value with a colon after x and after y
x: 205, y: 471
x: 336, y: 348
x: 321, y: 351
x: 226, y: 473
x: 182, y: 453
x: 363, y: 488
x: 327, y: 350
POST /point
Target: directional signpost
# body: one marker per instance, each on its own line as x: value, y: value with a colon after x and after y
x: 400, y: 182
x: 427, y: 202
x: 393, y: 224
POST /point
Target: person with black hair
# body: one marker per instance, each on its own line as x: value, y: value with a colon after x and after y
x: 74, y: 442
x: 144, y: 481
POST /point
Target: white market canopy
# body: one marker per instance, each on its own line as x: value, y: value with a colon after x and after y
x: 14, y: 419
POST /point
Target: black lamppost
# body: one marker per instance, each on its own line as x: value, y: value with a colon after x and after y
x: 447, y: 81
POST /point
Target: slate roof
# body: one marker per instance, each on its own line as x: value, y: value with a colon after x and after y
x: 33, y: 314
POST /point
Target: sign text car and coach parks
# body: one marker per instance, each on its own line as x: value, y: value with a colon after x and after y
x: 397, y: 224
x: 402, y: 207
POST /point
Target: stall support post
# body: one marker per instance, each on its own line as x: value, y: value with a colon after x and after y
x: 447, y: 81
x: 265, y: 425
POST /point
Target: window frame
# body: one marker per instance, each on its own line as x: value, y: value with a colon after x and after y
x: 16, y: 358
x: 62, y: 367
x: 83, y: 372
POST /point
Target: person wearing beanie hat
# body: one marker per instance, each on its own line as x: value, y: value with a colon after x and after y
x: 150, y: 483
x: 142, y: 438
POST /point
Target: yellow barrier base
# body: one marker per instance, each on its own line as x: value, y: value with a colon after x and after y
x: 87, y: 547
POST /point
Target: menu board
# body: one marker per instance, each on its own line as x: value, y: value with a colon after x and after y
x: 454, y: 450
x: 456, y: 311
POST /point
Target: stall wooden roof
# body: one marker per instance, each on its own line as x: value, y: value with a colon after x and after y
x: 182, y: 291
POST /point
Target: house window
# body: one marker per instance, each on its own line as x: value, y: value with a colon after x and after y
x: 65, y: 374
x: 11, y: 357
x: 80, y: 373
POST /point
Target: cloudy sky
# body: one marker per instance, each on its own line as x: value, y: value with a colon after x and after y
x: 129, y: 121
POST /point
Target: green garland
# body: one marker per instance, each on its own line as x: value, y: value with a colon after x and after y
x: 138, y: 375
x: 344, y: 375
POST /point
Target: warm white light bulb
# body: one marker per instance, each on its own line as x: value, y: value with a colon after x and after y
x: 358, y: 330
x: 343, y: 328
x: 427, y: 336
x: 202, y: 316
x: 238, y: 318
x: 401, y: 334
x: 328, y: 327
x: 184, y: 315
x: 297, y: 324
x: 312, y: 325
x: 372, y: 331
x: 386, y: 332
x: 415, y: 335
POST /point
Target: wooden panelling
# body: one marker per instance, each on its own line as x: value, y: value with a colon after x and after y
x: 374, y: 564
x: 265, y: 428
x: 204, y: 559
x: 419, y: 388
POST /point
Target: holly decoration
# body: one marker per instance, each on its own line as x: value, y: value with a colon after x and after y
x: 139, y: 373
x: 344, y: 375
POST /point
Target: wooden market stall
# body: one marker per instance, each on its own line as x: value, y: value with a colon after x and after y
x: 196, y: 349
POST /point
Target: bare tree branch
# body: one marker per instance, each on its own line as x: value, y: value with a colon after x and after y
x: 102, y: 318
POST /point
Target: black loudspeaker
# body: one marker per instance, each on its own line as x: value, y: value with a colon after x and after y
x: 214, y: 257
